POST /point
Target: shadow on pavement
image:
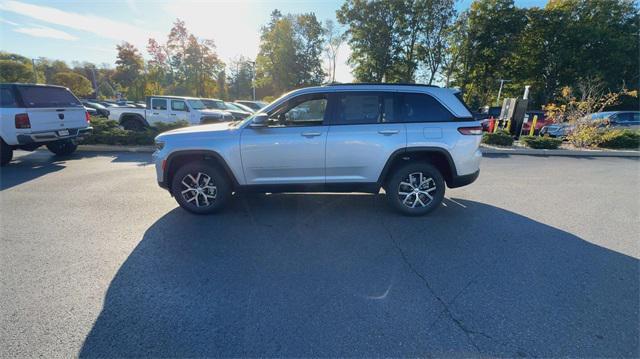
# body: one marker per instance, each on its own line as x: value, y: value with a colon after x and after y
x: 339, y: 275
x: 28, y: 166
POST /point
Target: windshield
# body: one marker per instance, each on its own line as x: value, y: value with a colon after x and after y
x: 233, y: 107
x: 197, y: 104
x: 213, y: 104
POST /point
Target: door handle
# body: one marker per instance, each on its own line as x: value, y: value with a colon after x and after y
x: 156, y: 113
x: 388, y: 132
x: 173, y: 114
x: 311, y: 134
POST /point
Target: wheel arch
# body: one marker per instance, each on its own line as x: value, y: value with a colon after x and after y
x: 132, y: 116
x: 178, y: 159
x: 437, y: 156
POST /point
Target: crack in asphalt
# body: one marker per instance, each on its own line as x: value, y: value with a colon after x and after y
x: 446, y: 310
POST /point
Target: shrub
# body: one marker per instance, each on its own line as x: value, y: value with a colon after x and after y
x: 620, y: 139
x: 585, y: 135
x: 500, y: 138
x: 108, y: 132
x: 542, y: 142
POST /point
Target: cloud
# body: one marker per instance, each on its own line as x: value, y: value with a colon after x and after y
x: 97, y: 25
x: 43, y: 31
x: 8, y: 22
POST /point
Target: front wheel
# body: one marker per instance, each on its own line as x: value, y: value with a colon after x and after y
x: 201, y: 188
x: 62, y: 148
x: 415, y: 189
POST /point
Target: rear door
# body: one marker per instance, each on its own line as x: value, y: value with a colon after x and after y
x: 362, y: 136
x: 52, y: 108
x: 158, y: 111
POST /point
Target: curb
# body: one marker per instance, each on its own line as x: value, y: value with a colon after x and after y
x: 116, y: 148
x: 560, y: 152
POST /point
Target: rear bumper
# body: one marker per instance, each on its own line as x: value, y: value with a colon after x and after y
x: 459, y: 181
x: 50, y: 136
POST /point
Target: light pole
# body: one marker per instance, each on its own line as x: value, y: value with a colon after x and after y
x: 253, y: 79
x: 502, y: 81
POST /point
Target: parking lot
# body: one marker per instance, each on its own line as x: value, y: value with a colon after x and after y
x: 539, y: 257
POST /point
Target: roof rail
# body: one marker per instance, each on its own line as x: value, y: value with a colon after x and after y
x: 377, y: 83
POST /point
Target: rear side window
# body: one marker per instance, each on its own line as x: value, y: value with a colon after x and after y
x: 6, y: 98
x: 415, y: 107
x: 356, y: 109
x: 41, y: 96
x: 158, y: 104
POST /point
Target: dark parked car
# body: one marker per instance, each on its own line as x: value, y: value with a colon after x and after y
x: 100, y: 109
x: 612, y: 119
x: 215, y: 104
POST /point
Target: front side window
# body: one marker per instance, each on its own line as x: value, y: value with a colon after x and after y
x: 304, y: 111
x: 158, y: 104
x: 415, y: 107
x: 177, y: 105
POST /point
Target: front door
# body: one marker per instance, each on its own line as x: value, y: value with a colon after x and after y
x: 291, y: 149
x: 179, y: 111
x: 158, y: 111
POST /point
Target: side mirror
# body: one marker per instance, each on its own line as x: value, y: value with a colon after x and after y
x: 259, y: 120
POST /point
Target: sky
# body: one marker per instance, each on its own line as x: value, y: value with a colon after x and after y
x: 90, y: 30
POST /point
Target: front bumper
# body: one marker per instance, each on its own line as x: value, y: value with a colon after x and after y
x: 50, y: 136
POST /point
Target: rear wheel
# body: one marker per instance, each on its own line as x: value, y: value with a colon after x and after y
x: 415, y: 189
x: 62, y: 148
x: 6, y: 153
x: 133, y: 125
x: 201, y: 188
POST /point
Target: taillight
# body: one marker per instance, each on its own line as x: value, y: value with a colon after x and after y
x: 476, y: 130
x: 87, y: 116
x: 22, y: 121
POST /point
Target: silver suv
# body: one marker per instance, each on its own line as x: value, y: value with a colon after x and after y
x: 410, y: 140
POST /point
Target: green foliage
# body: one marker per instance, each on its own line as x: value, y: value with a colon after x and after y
x: 108, y: 132
x: 500, y: 138
x: 290, y: 50
x: 585, y: 135
x: 621, y: 139
x: 78, y: 84
x: 14, y: 71
x: 542, y: 142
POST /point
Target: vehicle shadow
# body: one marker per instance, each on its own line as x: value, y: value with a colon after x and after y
x: 340, y: 275
x: 28, y: 166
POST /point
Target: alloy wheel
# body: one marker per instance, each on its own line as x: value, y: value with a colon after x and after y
x: 199, y: 189
x: 416, y: 190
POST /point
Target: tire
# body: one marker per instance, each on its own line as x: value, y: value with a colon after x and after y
x: 133, y: 125
x: 204, y: 199
x: 422, y: 194
x: 62, y: 148
x: 6, y: 153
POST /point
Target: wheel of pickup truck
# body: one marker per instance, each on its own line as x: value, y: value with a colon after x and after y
x: 6, y: 153
x: 133, y: 124
x: 201, y: 188
x: 415, y: 189
x: 62, y: 147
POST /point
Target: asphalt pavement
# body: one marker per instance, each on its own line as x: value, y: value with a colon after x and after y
x: 538, y: 258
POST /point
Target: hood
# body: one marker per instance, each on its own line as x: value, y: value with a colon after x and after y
x: 216, y: 127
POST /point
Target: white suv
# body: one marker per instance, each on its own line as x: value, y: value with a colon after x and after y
x: 410, y: 140
x: 35, y: 115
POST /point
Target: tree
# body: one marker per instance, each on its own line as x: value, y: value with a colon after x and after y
x: 290, y: 51
x: 334, y: 40
x: 240, y: 78
x: 129, y: 67
x: 78, y: 84
x: 433, y: 42
x: 14, y: 71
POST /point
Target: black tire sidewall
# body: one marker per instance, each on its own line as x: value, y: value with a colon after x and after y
x: 219, y: 178
x: 399, y: 174
x: 62, y: 148
x: 6, y: 153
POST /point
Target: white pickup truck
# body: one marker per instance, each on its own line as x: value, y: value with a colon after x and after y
x: 167, y: 109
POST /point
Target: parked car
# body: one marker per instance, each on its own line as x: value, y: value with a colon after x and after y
x: 35, y: 115
x: 91, y: 111
x: 540, y: 123
x: 215, y: 104
x: 167, y: 109
x: 254, y: 105
x: 244, y: 108
x: 610, y: 119
x: 100, y: 109
x: 412, y: 140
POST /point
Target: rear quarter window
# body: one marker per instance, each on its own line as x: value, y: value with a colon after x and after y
x: 41, y: 96
x: 7, y: 99
x: 417, y: 107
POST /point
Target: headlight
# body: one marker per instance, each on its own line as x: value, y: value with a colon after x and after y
x: 159, y: 145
